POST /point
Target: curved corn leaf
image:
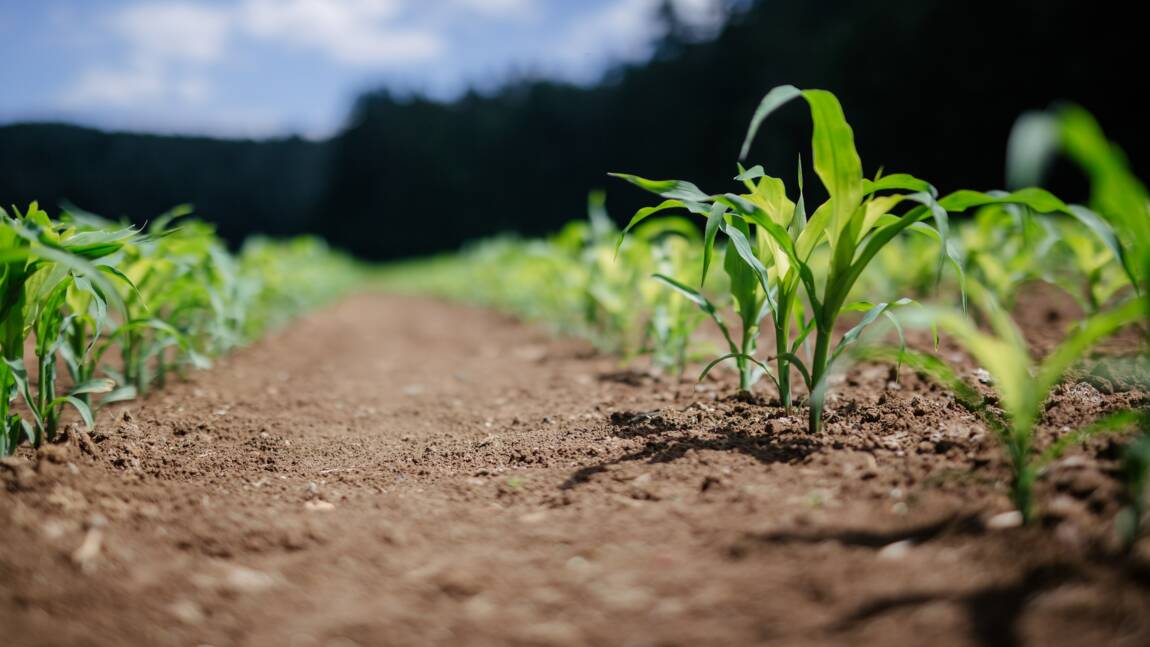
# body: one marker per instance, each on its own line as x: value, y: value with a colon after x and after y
x: 777, y: 97
x: 1124, y: 421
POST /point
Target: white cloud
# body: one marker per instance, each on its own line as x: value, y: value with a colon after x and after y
x: 623, y: 29
x: 350, y: 31
x: 700, y: 13
x: 499, y: 8
x: 179, y: 31
x: 171, y: 50
x: 139, y: 82
x: 171, y: 44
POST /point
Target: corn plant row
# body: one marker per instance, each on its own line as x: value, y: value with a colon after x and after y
x: 801, y: 270
x: 121, y: 309
x: 579, y: 282
x: 810, y: 279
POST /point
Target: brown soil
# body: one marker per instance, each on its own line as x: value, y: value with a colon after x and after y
x: 397, y: 471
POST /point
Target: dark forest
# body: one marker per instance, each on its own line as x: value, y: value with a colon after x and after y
x: 931, y: 87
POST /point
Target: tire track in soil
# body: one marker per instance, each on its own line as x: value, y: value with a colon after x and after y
x: 401, y: 471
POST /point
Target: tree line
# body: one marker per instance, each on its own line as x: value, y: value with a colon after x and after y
x: 931, y: 87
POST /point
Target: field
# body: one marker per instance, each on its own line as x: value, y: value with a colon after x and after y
x: 881, y: 415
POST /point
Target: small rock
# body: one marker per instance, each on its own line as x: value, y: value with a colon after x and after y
x: 311, y: 491
x: 84, y: 557
x: 1072, y: 462
x: 1061, y: 507
x: 240, y: 579
x: 896, y: 551
x: 983, y: 376
x: 187, y: 611
x: 319, y: 506
x: 533, y: 517
x: 1005, y: 520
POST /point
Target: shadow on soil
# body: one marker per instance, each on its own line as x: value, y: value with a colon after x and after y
x: 951, y: 525
x: 993, y: 611
x: 765, y: 447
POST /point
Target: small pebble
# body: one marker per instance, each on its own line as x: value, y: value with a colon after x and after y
x: 1005, y: 520
x: 896, y: 551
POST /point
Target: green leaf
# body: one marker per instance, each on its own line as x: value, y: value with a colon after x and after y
x: 1122, y: 421
x: 690, y: 293
x: 836, y: 161
x: 1083, y: 338
x: 82, y: 409
x: 1033, y: 141
x: 98, y: 385
x: 120, y: 395
x: 671, y: 189
x: 924, y: 363
x: 1037, y: 199
x: 898, y: 181
x: 719, y: 360
x: 714, y: 221
x: 872, y: 312
x: 747, y: 254
x: 772, y: 101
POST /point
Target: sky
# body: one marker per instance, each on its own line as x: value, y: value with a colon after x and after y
x: 263, y: 68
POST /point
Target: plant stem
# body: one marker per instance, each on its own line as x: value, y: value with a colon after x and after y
x: 782, y: 344
x: 46, y: 394
x: 818, y: 371
x: 746, y: 368
x: 82, y: 372
x: 1022, y: 493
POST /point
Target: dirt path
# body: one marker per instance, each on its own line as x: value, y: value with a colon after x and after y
x: 395, y: 471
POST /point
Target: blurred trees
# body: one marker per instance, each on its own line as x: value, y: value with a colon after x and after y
x: 931, y: 87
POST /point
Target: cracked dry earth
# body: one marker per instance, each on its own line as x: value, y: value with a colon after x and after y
x: 401, y: 471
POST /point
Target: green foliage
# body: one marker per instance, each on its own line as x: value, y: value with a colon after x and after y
x: 800, y: 270
x: 1022, y: 384
x: 80, y: 286
x: 1119, y: 213
x: 578, y: 281
x: 1136, y: 469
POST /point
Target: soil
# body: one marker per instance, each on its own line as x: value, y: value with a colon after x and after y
x: 402, y: 471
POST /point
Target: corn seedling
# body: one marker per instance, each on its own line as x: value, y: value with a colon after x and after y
x: 770, y: 256
x: 48, y: 268
x: 577, y: 282
x: 1021, y: 384
x: 673, y: 318
x: 79, y: 286
x: 1136, y: 469
x: 1119, y: 212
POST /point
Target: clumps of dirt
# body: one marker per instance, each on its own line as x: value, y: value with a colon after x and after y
x: 1115, y: 374
x: 529, y: 493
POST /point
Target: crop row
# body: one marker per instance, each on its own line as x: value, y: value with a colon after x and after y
x: 121, y: 308
x: 805, y: 281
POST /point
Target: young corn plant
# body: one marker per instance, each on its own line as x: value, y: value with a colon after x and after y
x: 771, y: 257
x: 45, y: 263
x: 673, y: 319
x: 1022, y: 385
x: 1006, y: 247
x: 1119, y: 211
x: 73, y: 288
x: 1131, y: 521
x: 170, y: 302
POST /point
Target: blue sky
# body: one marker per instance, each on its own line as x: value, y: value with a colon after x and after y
x: 241, y: 68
